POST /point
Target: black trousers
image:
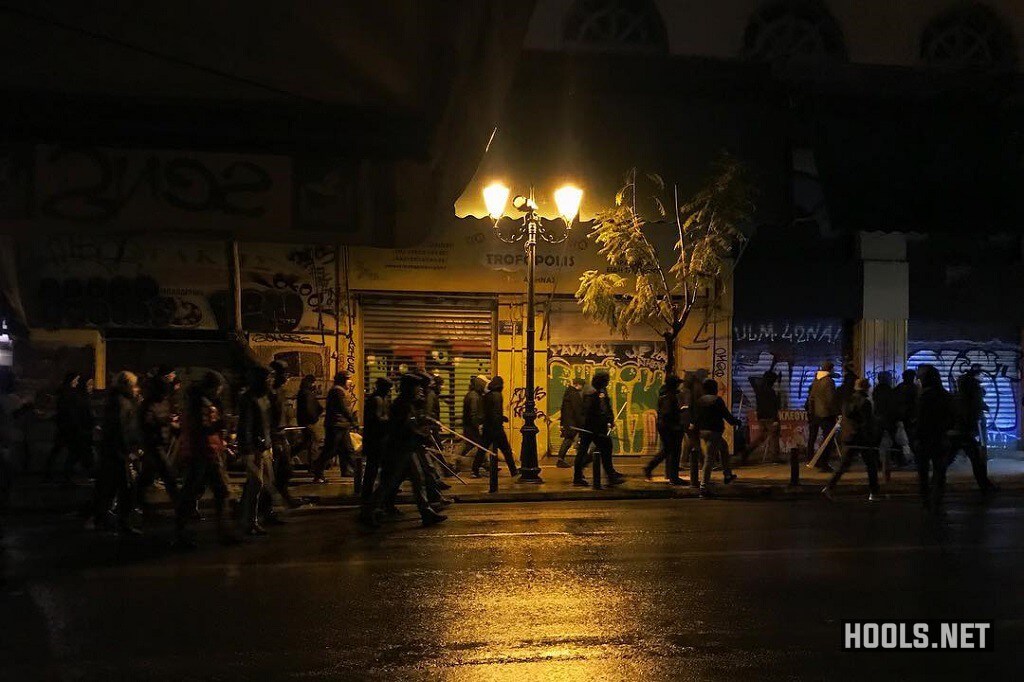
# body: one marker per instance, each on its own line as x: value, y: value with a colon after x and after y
x: 336, y: 442
x: 155, y: 464
x: 113, y: 482
x: 867, y: 452
x: 824, y: 425
x: 670, y: 453
x: 567, y: 442
x: 932, y: 458
x: 373, y: 454
x: 402, y: 464
x: 979, y: 464
x: 496, y: 441
x: 603, y: 444
x: 201, y: 473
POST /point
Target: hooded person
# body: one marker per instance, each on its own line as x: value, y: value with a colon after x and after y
x: 159, y: 429
x: 936, y: 419
x: 711, y: 415
x: 859, y: 436
x: 766, y: 402
x: 597, y: 420
x: 822, y: 412
x: 340, y: 420
x: 75, y: 423
x: 970, y: 408
x: 120, y: 439
x: 473, y: 416
x: 280, y: 446
x: 407, y: 433
x: 494, y: 420
x: 255, y: 447
x: 570, y: 418
x: 375, y: 431
x: 307, y: 413
x: 670, y: 430
x: 203, y: 454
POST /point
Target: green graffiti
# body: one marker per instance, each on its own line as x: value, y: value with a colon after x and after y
x: 636, y: 376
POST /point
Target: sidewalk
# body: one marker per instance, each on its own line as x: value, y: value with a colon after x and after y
x: 32, y: 494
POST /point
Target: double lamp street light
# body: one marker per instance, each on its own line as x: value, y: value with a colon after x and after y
x: 567, y: 199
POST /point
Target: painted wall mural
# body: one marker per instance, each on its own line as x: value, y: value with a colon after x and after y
x: 79, y: 281
x: 637, y: 371
x: 1000, y: 377
x: 288, y: 288
x: 794, y: 348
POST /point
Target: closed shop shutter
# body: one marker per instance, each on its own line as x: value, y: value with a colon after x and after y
x: 450, y: 337
x: 953, y: 347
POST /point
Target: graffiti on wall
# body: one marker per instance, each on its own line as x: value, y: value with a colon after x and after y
x: 77, y: 281
x: 288, y: 289
x: 794, y: 349
x: 637, y: 371
x: 1000, y: 376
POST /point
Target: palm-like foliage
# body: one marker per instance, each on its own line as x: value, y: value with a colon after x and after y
x: 642, y: 288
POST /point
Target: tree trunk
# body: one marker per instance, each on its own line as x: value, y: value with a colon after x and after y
x: 670, y: 352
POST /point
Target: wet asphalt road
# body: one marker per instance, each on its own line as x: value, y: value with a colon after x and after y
x: 674, y: 589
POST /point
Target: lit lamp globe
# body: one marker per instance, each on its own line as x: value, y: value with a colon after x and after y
x: 495, y: 198
x: 567, y: 199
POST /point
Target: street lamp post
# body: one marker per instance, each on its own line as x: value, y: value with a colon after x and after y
x: 567, y: 199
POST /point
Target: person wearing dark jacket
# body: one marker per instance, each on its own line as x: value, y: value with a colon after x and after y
x: 376, y: 409
x: 887, y: 417
x: 970, y: 415
x: 907, y: 392
x: 307, y: 414
x: 766, y: 401
x: 408, y: 431
x: 120, y: 440
x: 494, y: 437
x: 280, y: 447
x: 598, y: 418
x: 339, y: 422
x: 159, y: 428
x: 75, y: 423
x: 433, y: 384
x: 255, y: 448
x: 570, y: 418
x: 202, y: 455
x: 711, y: 414
x: 859, y: 436
x: 473, y: 416
x: 935, y: 420
x: 671, y: 429
x: 822, y: 413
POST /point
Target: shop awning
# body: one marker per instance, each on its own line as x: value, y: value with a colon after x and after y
x: 590, y: 118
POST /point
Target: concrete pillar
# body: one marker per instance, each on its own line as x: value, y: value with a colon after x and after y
x: 880, y: 336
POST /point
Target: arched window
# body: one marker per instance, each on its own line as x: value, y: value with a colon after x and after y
x: 970, y: 35
x: 788, y: 30
x: 615, y: 26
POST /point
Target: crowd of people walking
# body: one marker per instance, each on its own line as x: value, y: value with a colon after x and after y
x: 149, y: 432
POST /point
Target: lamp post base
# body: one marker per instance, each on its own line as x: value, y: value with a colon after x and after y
x: 530, y: 475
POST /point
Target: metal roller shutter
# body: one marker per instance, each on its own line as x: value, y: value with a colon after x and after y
x: 450, y: 337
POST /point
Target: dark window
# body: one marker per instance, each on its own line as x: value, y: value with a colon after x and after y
x: 968, y: 36
x: 615, y: 26
x: 793, y: 30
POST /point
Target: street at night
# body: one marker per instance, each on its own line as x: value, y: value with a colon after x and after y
x: 659, y: 590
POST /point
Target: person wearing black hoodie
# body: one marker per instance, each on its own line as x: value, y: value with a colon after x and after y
x: 671, y: 428
x: 494, y: 435
x: 307, y: 413
x: 408, y: 432
x: 255, y: 448
x: 571, y: 419
x: 598, y: 418
x: 969, y: 402
x: 711, y: 415
x: 159, y: 428
x: 859, y: 436
x: 75, y: 423
x: 473, y: 417
x: 375, y: 431
x: 339, y: 422
x: 120, y: 440
x: 935, y: 420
